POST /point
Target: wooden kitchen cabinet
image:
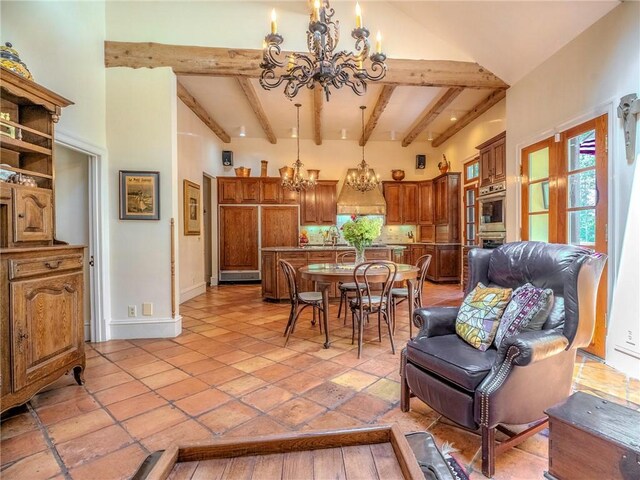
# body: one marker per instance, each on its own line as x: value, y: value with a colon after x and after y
x: 318, y: 206
x: 229, y: 190
x: 254, y: 190
x: 493, y: 160
x: 279, y: 226
x: 270, y: 190
x: 33, y: 214
x: 425, y: 205
x: 446, y: 201
x: 238, y: 238
x: 402, y: 202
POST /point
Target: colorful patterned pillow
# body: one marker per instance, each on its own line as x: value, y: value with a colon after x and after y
x: 528, y: 310
x: 479, y: 315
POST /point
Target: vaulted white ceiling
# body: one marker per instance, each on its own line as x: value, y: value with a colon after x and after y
x: 509, y: 38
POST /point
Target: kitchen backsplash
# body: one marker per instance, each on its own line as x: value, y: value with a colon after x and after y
x: 391, y: 234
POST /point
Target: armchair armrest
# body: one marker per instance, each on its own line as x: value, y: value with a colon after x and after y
x: 533, y: 347
x: 435, y: 321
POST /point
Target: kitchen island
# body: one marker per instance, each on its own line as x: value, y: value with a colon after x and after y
x: 274, y: 285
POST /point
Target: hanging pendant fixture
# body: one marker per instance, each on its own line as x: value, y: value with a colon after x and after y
x: 322, y: 67
x: 363, y: 178
x: 296, y: 178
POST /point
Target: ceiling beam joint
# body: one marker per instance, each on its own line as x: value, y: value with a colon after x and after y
x: 201, y: 113
x: 431, y: 114
x: 256, y: 106
x: 381, y: 104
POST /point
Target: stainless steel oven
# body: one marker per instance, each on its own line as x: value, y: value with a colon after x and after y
x: 492, y: 209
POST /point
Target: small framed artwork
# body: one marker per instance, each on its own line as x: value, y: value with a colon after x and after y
x: 191, y: 199
x: 139, y: 195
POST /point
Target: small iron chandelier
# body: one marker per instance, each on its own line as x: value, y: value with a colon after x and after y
x: 322, y: 66
x: 363, y: 178
x: 295, y: 178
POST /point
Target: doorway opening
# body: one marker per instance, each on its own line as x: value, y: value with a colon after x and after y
x: 73, y: 217
x: 565, y: 199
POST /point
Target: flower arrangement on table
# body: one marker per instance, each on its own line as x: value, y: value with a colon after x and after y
x: 360, y: 232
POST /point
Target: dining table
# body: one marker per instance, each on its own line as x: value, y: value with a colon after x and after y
x: 326, y: 274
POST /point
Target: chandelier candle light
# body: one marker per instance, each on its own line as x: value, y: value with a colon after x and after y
x: 363, y: 178
x: 322, y: 65
x: 296, y: 178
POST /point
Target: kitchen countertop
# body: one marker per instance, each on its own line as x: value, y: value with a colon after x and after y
x: 320, y: 248
x: 424, y: 243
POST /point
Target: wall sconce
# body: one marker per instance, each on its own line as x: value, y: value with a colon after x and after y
x: 392, y: 135
x: 294, y: 132
x: 343, y: 134
x: 243, y: 131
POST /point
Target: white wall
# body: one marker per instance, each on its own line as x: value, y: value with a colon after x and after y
x: 584, y: 79
x: 72, y: 215
x: 62, y: 43
x: 199, y: 151
x: 141, y: 134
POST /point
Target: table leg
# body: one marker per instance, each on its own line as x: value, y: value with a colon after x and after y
x: 324, y: 288
x: 411, y: 301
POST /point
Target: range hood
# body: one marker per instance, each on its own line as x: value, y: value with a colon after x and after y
x: 353, y: 202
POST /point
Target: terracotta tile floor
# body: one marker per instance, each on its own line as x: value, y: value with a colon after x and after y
x: 228, y: 374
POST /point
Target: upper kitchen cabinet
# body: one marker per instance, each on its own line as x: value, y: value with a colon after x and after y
x: 493, y: 160
x: 260, y: 190
x: 318, y: 205
x: 402, y: 202
x: 271, y: 191
x: 446, y: 208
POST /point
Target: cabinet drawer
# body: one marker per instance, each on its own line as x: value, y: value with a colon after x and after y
x: 33, y: 267
x: 293, y: 256
x: 322, y: 257
x: 377, y: 254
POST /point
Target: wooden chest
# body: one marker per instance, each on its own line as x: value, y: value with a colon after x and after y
x: 592, y: 438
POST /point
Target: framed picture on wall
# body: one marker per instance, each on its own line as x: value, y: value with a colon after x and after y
x: 139, y: 195
x: 191, y: 202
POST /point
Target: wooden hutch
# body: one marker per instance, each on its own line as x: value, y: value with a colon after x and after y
x: 41, y: 278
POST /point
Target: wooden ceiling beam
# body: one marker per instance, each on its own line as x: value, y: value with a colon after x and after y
x: 381, y: 104
x: 431, y: 114
x: 478, y: 110
x: 256, y: 106
x: 318, y: 103
x: 201, y: 113
x: 214, y: 61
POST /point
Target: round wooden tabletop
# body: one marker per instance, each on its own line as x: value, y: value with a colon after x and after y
x: 332, y: 272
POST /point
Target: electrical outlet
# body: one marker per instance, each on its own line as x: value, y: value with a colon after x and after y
x: 132, y: 311
x: 147, y: 309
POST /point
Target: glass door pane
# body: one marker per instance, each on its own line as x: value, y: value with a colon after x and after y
x: 582, y: 193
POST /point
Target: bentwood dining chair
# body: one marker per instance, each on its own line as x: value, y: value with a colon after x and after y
x: 366, y: 303
x: 399, y: 295
x: 299, y: 300
x: 347, y: 289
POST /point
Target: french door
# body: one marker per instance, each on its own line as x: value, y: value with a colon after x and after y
x: 565, y: 198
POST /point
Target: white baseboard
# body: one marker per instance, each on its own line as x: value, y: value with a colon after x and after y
x: 131, y: 328
x: 192, y: 292
x: 213, y: 281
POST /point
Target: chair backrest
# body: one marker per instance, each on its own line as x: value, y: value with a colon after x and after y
x: 423, y: 264
x: 290, y: 276
x: 346, y: 257
x: 572, y: 272
x: 362, y: 275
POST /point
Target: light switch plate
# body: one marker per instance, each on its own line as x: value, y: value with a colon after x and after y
x: 147, y: 309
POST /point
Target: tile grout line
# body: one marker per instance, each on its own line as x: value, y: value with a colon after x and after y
x: 54, y: 451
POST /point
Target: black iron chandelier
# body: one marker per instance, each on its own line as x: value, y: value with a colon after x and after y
x: 322, y: 65
x: 362, y: 178
x: 296, y: 178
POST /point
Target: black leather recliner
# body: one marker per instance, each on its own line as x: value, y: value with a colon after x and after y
x: 531, y: 371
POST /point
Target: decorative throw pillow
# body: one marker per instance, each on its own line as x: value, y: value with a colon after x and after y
x: 479, y: 315
x: 528, y: 310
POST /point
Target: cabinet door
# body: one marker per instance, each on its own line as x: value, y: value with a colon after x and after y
x: 279, y: 226
x: 392, y: 195
x: 326, y: 203
x: 269, y: 275
x: 433, y: 266
x: 441, y: 198
x: 486, y: 166
x: 229, y: 190
x: 410, y: 204
x: 33, y: 215
x: 308, y: 207
x: 425, y: 207
x: 270, y: 190
x: 499, y: 161
x: 250, y: 190
x: 47, y: 323
x: 289, y: 196
x: 238, y: 238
